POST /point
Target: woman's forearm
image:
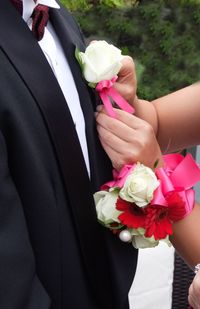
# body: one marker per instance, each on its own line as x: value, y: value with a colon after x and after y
x: 178, y: 119
x: 175, y: 118
x: 185, y: 237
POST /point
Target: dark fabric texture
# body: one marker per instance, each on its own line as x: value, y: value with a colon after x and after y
x: 53, y: 252
x: 182, y: 279
x: 18, y: 4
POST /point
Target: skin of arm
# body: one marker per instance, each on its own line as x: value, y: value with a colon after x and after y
x: 185, y: 237
x: 174, y: 118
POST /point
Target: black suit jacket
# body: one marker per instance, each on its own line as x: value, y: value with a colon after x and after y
x: 53, y: 252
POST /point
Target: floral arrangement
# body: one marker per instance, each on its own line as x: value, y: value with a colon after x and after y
x: 139, y: 205
x: 100, y: 65
x: 100, y: 61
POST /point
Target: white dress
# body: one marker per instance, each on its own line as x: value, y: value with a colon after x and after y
x: 152, y: 286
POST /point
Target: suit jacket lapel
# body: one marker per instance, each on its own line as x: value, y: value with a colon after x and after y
x: 123, y: 258
x: 100, y: 165
x: 28, y: 59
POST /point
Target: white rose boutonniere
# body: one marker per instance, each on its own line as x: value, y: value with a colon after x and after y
x: 101, y: 61
x: 100, y: 64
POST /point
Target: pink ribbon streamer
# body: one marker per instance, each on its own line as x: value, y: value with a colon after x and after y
x: 106, y: 91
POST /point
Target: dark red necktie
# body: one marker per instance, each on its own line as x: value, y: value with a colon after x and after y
x: 40, y: 17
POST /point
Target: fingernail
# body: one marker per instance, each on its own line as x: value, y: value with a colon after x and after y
x: 99, y: 108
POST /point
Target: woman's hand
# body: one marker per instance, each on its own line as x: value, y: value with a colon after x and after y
x: 126, y: 83
x: 194, y: 292
x: 127, y: 139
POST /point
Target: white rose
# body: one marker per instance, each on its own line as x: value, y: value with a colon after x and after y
x: 139, y: 186
x: 101, y: 61
x: 105, y: 202
x: 141, y: 242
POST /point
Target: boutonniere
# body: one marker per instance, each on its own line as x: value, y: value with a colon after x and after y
x: 100, y: 64
x: 139, y: 205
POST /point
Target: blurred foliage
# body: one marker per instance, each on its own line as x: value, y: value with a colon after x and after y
x: 84, y: 5
x: 76, y: 4
x: 162, y: 36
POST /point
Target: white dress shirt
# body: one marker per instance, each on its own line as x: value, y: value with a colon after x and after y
x: 53, y: 52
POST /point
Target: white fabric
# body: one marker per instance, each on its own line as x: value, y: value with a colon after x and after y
x: 53, y: 51
x: 152, y: 285
x: 29, y: 5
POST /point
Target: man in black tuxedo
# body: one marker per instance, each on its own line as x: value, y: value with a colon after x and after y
x: 53, y: 252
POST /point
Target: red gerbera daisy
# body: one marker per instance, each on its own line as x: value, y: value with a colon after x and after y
x: 176, y: 206
x: 155, y: 219
x: 159, y: 219
x: 157, y: 222
x: 132, y: 216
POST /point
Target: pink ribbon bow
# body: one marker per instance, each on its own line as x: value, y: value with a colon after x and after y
x: 119, y: 178
x: 106, y: 91
x: 179, y: 174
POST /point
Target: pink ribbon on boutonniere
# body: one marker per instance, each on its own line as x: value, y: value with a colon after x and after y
x: 107, y: 92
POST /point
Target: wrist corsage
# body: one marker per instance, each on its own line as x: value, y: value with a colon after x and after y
x: 139, y: 205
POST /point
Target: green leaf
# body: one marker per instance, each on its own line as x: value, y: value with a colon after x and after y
x: 156, y: 163
x: 92, y: 85
x: 78, y: 58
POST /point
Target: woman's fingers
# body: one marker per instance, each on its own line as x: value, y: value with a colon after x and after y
x: 115, y: 126
x: 123, y: 121
x: 126, y: 83
x: 127, y: 139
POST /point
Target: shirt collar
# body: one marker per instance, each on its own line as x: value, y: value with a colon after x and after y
x: 29, y: 5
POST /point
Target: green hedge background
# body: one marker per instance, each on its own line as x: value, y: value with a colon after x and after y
x: 163, y: 37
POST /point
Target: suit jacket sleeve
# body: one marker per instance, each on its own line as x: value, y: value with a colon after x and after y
x: 19, y: 285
